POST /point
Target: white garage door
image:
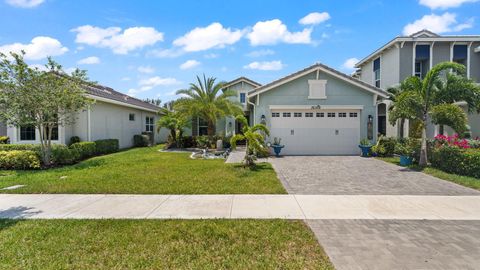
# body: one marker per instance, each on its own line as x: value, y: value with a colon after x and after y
x: 319, y: 132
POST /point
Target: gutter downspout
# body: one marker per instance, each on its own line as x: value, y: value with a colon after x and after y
x: 253, y: 104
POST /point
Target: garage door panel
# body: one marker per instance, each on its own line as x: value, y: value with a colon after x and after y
x: 317, y: 135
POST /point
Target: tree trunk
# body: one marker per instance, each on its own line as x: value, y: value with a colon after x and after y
x: 423, y: 149
x: 211, y: 128
x: 402, y: 127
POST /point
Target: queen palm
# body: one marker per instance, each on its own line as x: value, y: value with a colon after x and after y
x: 207, y: 100
x: 430, y: 98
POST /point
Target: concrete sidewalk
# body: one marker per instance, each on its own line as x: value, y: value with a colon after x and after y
x: 366, y: 207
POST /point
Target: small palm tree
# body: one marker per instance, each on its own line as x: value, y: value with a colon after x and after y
x: 255, y: 140
x: 420, y: 99
x: 207, y: 101
x: 173, y: 121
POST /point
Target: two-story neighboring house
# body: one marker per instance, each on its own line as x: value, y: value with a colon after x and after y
x: 415, y: 55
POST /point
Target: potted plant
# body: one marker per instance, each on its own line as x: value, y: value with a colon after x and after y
x: 277, y: 146
x: 365, y: 146
x: 406, y: 154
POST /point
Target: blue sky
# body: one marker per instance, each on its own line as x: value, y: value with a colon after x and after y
x: 152, y: 48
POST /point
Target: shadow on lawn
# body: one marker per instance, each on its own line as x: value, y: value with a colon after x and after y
x: 13, y: 215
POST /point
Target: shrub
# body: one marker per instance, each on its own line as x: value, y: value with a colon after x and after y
x: 4, y: 139
x: 106, y: 146
x: 84, y: 149
x: 13, y: 147
x: 388, y: 146
x: 453, y: 159
x: 141, y: 140
x: 74, y: 139
x: 204, y: 142
x: 187, y: 142
x: 62, y: 155
x: 19, y: 160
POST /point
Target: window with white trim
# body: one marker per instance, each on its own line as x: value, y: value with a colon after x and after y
x: 275, y: 114
x: 320, y: 114
x: 287, y: 114
x: 27, y: 133
x: 460, y: 54
x: 149, y: 125
x: 342, y: 114
x: 309, y: 114
x: 353, y: 114
x: 297, y: 114
x: 376, y: 72
x: 242, y: 98
x: 202, y: 127
x: 131, y: 117
x: 331, y: 114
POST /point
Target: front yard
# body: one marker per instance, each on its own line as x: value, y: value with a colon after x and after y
x: 146, y: 171
x: 466, y: 181
x: 154, y: 244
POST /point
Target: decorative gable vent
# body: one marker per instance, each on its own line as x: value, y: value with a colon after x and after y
x: 317, y: 89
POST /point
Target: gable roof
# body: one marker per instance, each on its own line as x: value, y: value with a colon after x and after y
x: 242, y: 79
x: 423, y: 35
x: 107, y: 94
x: 321, y: 67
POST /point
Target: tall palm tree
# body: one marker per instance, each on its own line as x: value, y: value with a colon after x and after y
x: 206, y: 100
x: 420, y: 99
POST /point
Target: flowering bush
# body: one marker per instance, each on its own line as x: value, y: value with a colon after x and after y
x: 442, y: 140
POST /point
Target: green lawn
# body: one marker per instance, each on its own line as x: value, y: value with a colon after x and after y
x: 159, y: 244
x: 467, y: 181
x: 146, y: 171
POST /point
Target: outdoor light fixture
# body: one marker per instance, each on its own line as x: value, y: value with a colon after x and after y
x: 370, y: 127
x: 370, y: 118
x: 230, y: 124
x: 263, y: 118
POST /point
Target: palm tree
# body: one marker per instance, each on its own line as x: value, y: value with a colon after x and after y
x: 254, y: 137
x: 173, y: 121
x: 207, y: 101
x: 420, y: 99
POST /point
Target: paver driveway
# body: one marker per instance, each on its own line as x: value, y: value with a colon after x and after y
x: 347, y: 175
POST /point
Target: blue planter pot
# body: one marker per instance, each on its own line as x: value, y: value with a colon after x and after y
x: 365, y: 150
x: 277, y: 149
x: 406, y: 161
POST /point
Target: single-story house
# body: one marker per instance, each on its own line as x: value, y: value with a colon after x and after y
x: 113, y: 116
x: 315, y: 111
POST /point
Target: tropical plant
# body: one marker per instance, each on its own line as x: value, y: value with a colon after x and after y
x: 40, y: 99
x: 254, y: 138
x: 207, y: 100
x: 423, y: 99
x: 365, y: 142
x: 175, y: 122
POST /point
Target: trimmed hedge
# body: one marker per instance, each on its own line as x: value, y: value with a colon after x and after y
x: 12, y: 147
x: 141, y: 140
x: 19, y: 160
x: 62, y: 155
x: 106, y: 146
x: 74, y: 139
x: 84, y: 149
x: 4, y: 139
x: 453, y: 159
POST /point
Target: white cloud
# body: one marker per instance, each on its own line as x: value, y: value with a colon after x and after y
x: 166, y: 53
x: 315, y: 18
x: 146, y: 69
x: 150, y: 83
x: 349, y: 64
x: 24, y: 3
x: 189, y: 64
x: 272, y: 65
x: 89, y: 61
x: 444, y: 4
x: 260, y: 53
x: 119, y: 42
x: 437, y: 24
x: 274, y: 31
x: 39, y: 48
x: 204, y: 38
x: 211, y: 55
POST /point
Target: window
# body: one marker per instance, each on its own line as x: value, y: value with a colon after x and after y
x: 297, y: 114
x: 202, y: 127
x: 131, y: 117
x: 376, y: 72
x: 54, y: 134
x: 353, y: 114
x: 149, y: 124
x: 342, y: 114
x: 460, y: 54
x: 27, y: 133
x: 242, y: 98
x: 309, y: 114
x: 320, y: 114
x: 331, y: 114
x: 275, y: 114
x: 317, y: 89
x: 287, y: 114
x: 418, y: 69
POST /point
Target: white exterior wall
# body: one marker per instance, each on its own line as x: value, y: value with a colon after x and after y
x: 390, y: 68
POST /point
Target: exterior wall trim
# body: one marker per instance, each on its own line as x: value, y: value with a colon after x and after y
x: 107, y: 100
